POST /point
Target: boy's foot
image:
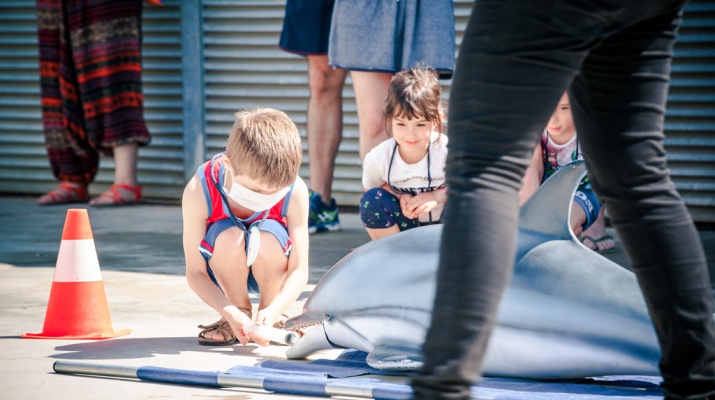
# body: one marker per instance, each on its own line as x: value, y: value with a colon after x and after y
x: 322, y: 217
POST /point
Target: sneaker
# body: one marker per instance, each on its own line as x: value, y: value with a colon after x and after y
x: 322, y: 217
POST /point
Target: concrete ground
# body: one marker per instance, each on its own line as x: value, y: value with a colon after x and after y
x: 141, y: 259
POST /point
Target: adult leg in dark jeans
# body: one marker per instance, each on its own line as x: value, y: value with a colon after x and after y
x: 516, y: 60
x: 619, y: 102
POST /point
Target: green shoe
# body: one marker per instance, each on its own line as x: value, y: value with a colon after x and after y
x: 322, y: 217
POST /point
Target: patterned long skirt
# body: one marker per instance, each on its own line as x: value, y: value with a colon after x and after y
x: 90, y: 79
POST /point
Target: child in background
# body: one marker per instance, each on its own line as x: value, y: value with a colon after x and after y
x: 246, y: 227
x: 559, y: 146
x: 404, y: 176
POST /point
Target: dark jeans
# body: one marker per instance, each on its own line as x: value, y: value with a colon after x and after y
x: 516, y: 59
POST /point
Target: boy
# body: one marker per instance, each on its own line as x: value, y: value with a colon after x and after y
x: 245, y: 218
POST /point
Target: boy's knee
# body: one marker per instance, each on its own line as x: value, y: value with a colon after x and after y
x: 229, y: 241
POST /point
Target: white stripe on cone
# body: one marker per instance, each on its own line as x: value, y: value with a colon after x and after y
x: 77, y: 262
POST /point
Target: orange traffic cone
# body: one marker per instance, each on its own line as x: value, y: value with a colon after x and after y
x: 77, y: 308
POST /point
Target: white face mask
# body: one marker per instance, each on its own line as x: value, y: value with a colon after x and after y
x: 254, y: 201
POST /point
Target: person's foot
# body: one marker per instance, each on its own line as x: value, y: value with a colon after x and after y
x: 597, y: 239
x: 322, y: 217
x: 65, y: 193
x: 118, y: 195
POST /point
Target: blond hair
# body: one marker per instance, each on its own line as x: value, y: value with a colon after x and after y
x: 265, y: 145
x: 415, y: 93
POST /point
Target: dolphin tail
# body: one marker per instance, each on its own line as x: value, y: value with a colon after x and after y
x: 549, y: 208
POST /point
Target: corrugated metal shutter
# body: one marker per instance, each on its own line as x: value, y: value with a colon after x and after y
x: 690, y: 117
x: 23, y: 161
x: 245, y: 68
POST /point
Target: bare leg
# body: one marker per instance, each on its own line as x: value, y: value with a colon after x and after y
x: 577, y: 219
x: 228, y: 264
x: 381, y: 233
x: 325, y: 122
x: 125, y: 164
x: 125, y: 189
x: 370, y: 95
x: 269, y: 269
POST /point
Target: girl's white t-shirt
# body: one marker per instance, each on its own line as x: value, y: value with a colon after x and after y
x: 404, y: 176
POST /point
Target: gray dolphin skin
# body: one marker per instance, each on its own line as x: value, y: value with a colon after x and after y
x: 567, y: 313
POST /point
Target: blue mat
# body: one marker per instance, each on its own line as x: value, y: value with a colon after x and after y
x: 351, y: 363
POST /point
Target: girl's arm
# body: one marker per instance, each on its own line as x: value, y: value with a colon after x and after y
x: 532, y: 177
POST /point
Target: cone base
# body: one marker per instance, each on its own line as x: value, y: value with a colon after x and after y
x: 98, y: 336
x: 77, y: 310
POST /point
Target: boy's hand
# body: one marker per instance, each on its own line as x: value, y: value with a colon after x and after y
x: 264, y: 317
x: 238, y: 321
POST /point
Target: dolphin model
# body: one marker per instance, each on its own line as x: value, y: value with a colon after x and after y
x: 567, y: 313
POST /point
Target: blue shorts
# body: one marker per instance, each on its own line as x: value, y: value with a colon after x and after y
x: 207, y: 245
x: 306, y: 27
x: 590, y: 205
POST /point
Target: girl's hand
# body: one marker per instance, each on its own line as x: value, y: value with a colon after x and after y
x: 407, y: 209
x: 423, y: 203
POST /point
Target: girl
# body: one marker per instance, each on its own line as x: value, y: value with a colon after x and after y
x: 404, y: 177
x: 558, y: 147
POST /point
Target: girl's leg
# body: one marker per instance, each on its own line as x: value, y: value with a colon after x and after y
x: 370, y: 95
x: 381, y: 214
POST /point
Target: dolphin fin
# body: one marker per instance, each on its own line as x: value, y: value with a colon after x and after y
x: 549, y: 208
x: 395, y: 354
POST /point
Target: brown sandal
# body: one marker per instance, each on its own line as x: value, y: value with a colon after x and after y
x: 64, y: 194
x: 118, y: 195
x: 222, y: 327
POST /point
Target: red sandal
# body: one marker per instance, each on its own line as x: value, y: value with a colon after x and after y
x: 118, y: 195
x: 64, y: 194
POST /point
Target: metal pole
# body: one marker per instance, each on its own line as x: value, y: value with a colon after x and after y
x: 273, y: 382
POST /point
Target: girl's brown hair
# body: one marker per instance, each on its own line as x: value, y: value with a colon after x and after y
x: 415, y: 93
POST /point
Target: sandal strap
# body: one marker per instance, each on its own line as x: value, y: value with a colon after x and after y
x: 222, y: 327
x: 64, y: 193
x: 121, y: 194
